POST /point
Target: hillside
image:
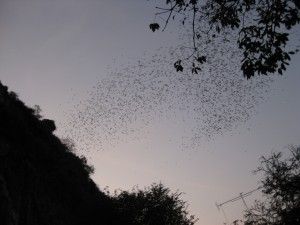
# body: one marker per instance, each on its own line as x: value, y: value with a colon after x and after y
x: 41, y: 181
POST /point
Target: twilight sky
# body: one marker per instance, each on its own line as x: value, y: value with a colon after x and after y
x: 59, y: 53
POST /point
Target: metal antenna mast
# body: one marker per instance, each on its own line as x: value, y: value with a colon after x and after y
x: 241, y: 196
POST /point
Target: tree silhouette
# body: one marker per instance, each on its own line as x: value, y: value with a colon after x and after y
x: 281, y: 187
x: 156, y: 205
x: 263, y: 29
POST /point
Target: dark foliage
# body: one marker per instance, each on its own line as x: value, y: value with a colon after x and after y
x: 263, y: 29
x: 156, y: 205
x: 281, y: 186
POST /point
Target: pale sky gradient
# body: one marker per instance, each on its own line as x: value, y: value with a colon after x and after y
x: 51, y: 51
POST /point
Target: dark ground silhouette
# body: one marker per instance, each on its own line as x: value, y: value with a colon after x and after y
x: 43, y: 183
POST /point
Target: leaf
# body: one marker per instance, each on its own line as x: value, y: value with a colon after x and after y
x: 154, y: 26
x: 201, y: 59
x: 178, y: 66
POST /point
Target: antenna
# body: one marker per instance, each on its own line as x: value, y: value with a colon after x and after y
x: 241, y: 196
x: 223, y: 212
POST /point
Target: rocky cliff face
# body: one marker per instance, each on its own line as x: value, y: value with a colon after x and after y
x: 41, y: 181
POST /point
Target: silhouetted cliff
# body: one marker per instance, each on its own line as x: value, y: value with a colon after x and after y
x: 41, y: 181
